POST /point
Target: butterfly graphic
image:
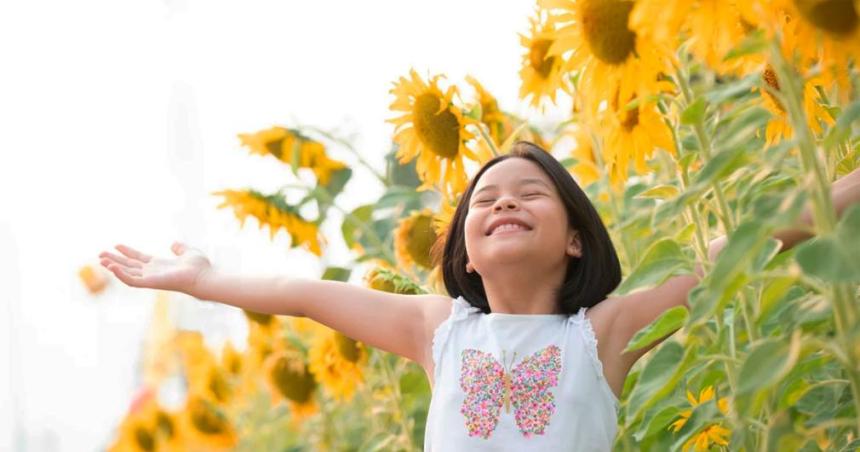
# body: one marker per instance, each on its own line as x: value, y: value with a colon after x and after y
x: 489, y: 387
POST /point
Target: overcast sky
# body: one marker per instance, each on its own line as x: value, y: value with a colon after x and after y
x: 117, y: 119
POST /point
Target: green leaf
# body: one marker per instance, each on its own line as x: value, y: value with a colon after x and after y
x: 835, y: 257
x: 658, y: 423
x: 662, y: 260
x: 721, y: 165
x: 841, y: 130
x: 769, y: 360
x: 336, y: 274
x: 694, y: 112
x: 659, y: 377
x: 659, y: 192
x: 669, y: 321
x: 755, y: 42
x: 350, y: 229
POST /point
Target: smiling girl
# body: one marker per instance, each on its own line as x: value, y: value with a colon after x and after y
x: 525, y: 350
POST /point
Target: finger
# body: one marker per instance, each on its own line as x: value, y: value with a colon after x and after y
x: 133, y: 263
x: 131, y: 252
x: 122, y: 275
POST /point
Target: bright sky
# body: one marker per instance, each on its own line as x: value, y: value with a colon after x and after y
x: 119, y: 118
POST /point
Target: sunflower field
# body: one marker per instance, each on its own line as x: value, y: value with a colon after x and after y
x: 690, y: 119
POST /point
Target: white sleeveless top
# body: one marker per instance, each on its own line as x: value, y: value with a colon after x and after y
x: 518, y: 382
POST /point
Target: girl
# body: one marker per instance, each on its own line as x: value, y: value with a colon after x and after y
x: 526, y: 353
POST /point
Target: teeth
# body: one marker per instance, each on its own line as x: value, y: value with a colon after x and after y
x: 508, y: 227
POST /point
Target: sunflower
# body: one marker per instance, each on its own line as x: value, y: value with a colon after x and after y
x: 204, y: 374
x: 713, y: 28
x: 414, y: 238
x: 207, y: 424
x: 273, y: 212
x: 713, y: 433
x: 779, y: 126
x: 148, y: 427
x: 494, y: 118
x: 433, y: 130
x: 585, y: 169
x: 609, y: 57
x: 288, y: 378
x: 823, y: 32
x: 231, y: 360
x: 633, y: 133
x: 288, y: 146
x: 337, y: 363
x: 541, y: 73
x: 385, y: 278
x: 93, y: 279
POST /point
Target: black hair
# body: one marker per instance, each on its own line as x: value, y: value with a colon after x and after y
x: 588, y: 279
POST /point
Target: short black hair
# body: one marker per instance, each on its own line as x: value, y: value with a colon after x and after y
x: 588, y: 279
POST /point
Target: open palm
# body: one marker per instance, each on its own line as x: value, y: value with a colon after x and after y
x: 138, y: 269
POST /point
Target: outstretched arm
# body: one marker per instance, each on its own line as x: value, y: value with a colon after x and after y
x: 400, y: 324
x: 638, y: 309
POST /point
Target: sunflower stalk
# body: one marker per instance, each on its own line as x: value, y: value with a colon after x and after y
x: 397, y: 405
x: 824, y: 215
x: 489, y: 140
x: 706, y: 145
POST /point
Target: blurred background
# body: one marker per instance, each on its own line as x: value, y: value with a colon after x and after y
x: 119, y: 119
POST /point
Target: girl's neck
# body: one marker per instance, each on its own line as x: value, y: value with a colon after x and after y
x: 523, y: 292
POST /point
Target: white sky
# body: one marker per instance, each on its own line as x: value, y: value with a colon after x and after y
x: 118, y: 118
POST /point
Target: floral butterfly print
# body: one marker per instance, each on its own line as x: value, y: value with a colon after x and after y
x: 489, y: 388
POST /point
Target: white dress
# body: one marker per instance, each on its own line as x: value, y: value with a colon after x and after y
x: 518, y: 382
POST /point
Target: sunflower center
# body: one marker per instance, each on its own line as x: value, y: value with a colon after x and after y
x: 833, y: 16
x: 164, y: 424
x: 205, y: 418
x: 631, y: 119
x: 347, y: 347
x: 605, y: 26
x: 296, y: 386
x: 769, y: 77
x: 440, y: 131
x: 541, y: 63
x: 144, y: 439
x: 219, y: 386
x: 420, y: 241
x: 260, y: 319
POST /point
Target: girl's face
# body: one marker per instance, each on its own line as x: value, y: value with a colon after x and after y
x: 518, y: 193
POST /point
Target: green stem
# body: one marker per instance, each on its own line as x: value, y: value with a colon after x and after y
x: 629, y: 250
x: 706, y: 146
x: 487, y: 139
x: 844, y: 303
x: 397, y: 399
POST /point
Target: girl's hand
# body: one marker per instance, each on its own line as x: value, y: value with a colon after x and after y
x: 137, y: 269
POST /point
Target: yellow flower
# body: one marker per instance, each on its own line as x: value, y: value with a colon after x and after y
x: 633, y: 134
x: 92, y: 278
x: 779, y: 126
x: 442, y: 219
x: 494, y: 118
x: 414, y: 239
x: 433, y: 130
x: 385, y: 278
x: 585, y: 169
x: 541, y: 72
x: 612, y: 60
x: 288, y: 378
x: 712, y: 433
x: 337, y: 363
x: 273, y: 212
x: 713, y: 27
x: 231, y: 360
x: 288, y: 144
x: 202, y: 371
x: 147, y: 427
x: 208, y: 426
x: 823, y: 32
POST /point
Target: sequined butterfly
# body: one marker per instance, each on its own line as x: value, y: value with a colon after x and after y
x: 489, y: 387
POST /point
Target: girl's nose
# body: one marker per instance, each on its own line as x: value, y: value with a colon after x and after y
x: 506, y: 203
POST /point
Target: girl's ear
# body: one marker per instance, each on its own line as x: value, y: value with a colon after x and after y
x: 574, y: 244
